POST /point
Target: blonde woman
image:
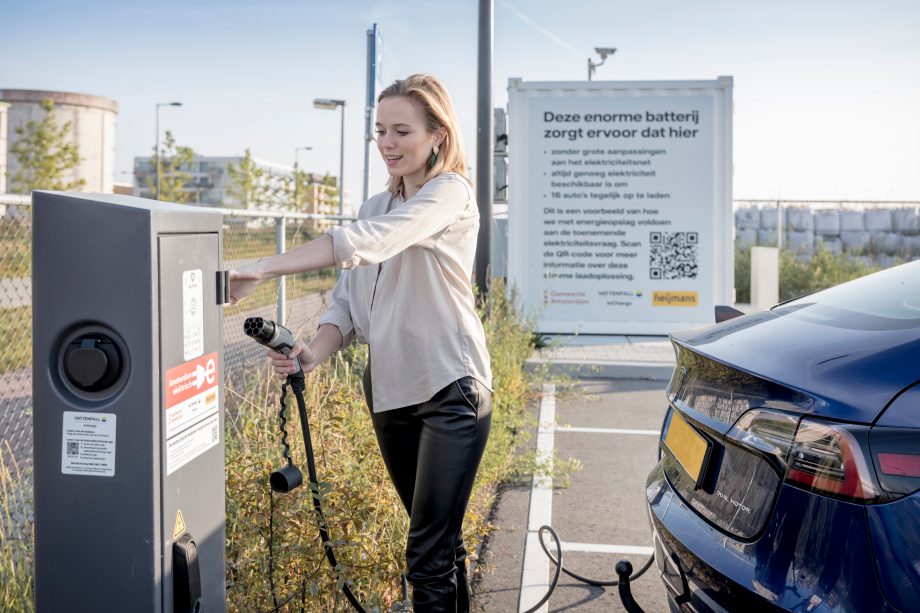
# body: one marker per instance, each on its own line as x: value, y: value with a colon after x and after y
x: 405, y: 291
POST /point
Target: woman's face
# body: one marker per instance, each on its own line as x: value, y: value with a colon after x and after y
x: 403, y: 138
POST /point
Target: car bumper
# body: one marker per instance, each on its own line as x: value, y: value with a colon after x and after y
x: 814, y: 555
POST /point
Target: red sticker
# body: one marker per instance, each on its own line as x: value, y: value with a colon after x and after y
x: 190, y: 379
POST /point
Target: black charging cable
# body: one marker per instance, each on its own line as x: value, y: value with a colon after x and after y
x: 289, y: 477
x: 624, y: 570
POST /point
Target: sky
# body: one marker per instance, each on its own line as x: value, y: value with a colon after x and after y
x: 826, y: 93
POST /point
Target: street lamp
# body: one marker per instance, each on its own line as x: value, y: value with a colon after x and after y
x: 603, y: 52
x: 296, y: 182
x: 156, y: 148
x: 330, y: 105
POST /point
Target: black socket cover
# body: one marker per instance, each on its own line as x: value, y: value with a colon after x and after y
x: 92, y: 362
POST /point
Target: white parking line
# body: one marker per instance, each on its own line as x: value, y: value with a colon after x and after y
x: 536, y: 567
x: 608, y: 430
x: 535, y: 577
x: 597, y: 548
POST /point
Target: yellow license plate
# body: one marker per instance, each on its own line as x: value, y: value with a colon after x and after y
x: 689, y: 447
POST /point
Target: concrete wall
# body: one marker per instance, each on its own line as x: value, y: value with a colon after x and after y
x: 93, y: 130
x: 880, y: 233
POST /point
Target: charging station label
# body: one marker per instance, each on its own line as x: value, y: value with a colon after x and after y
x: 88, y: 444
x: 192, y: 314
x: 191, y: 405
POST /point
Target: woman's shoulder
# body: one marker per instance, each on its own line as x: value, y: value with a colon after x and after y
x: 451, y: 182
x: 375, y: 205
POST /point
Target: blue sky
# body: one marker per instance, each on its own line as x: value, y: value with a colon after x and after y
x: 827, y: 93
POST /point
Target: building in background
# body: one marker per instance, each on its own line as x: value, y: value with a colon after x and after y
x: 92, y: 130
x: 210, y: 184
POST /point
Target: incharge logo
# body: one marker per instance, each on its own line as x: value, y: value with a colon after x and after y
x: 681, y: 299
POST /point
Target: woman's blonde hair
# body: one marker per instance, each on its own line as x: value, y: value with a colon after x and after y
x: 431, y: 95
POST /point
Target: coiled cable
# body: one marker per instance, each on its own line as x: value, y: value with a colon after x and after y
x: 625, y: 595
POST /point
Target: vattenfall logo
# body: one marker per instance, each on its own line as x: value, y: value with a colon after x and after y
x: 679, y: 299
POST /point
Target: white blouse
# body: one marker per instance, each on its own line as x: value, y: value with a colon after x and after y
x: 418, y: 317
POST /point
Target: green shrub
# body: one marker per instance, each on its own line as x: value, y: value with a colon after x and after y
x: 364, y: 515
x: 742, y: 275
x: 798, y: 275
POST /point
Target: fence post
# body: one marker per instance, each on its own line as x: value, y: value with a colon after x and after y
x: 280, y: 226
x: 780, y: 224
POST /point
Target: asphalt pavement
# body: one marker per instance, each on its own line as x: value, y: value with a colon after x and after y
x: 610, y: 426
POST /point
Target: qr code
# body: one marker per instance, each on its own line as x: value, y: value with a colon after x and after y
x: 73, y: 448
x: 673, y: 255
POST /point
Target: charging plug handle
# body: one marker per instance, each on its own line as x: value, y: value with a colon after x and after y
x: 274, y: 336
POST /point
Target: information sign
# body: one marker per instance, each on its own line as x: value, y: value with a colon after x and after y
x: 620, y: 216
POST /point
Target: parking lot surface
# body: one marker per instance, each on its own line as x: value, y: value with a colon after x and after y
x: 611, y: 428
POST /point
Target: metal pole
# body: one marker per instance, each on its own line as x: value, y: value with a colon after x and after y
x: 369, y: 105
x: 780, y: 225
x: 484, y: 147
x: 156, y: 151
x: 590, y: 67
x: 280, y: 226
x: 342, y: 167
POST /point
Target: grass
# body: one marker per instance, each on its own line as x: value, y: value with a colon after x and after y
x: 16, y: 585
x: 15, y: 339
x: 15, y: 248
x: 363, y: 512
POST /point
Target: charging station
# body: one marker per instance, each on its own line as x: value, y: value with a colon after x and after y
x: 128, y: 409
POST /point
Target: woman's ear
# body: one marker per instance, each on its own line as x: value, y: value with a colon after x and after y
x: 440, y: 135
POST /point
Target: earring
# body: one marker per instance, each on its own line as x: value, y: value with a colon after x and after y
x: 434, y: 156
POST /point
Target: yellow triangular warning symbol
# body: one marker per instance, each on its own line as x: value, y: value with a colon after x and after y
x: 180, y: 525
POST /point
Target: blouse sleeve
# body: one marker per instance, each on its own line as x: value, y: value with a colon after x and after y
x: 339, y: 312
x: 438, y: 204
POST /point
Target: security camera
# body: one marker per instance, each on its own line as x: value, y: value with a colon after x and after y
x: 605, y: 51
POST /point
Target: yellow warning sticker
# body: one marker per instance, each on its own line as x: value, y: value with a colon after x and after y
x: 180, y: 525
x: 678, y: 299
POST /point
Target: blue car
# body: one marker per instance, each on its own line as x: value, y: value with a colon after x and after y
x: 790, y: 456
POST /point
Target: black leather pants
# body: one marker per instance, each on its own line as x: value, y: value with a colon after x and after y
x: 432, y: 451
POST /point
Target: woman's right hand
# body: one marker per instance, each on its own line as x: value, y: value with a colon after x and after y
x: 284, y: 364
x: 243, y: 281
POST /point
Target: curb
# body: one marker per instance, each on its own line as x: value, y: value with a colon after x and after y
x: 651, y: 371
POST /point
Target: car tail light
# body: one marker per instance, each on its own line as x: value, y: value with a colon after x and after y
x: 770, y: 432
x: 896, y: 452
x: 831, y: 459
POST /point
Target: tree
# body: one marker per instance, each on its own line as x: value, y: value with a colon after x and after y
x: 247, y: 182
x: 175, y: 162
x: 45, y: 155
x: 296, y: 190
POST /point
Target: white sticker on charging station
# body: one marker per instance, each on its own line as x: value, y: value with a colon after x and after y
x: 191, y: 443
x: 192, y: 314
x: 88, y: 444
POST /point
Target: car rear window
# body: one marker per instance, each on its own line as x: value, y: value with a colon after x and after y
x: 886, y: 300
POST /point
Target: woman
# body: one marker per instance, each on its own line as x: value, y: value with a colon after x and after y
x: 405, y: 291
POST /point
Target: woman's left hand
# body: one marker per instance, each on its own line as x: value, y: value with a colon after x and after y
x: 243, y: 281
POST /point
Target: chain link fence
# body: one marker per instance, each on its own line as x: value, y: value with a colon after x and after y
x: 297, y: 300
